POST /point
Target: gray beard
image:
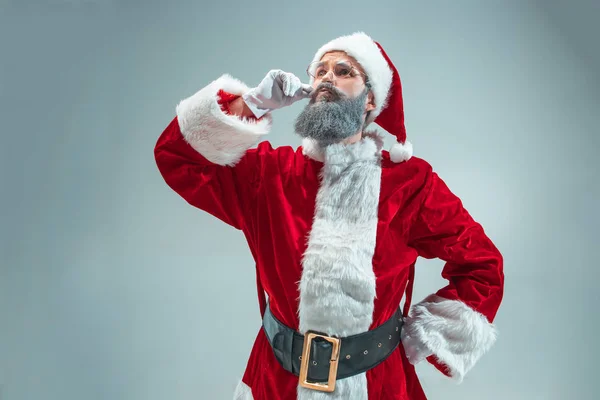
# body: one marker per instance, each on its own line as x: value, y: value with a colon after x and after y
x: 333, y: 118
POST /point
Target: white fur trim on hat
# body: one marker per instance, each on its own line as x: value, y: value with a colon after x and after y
x: 364, y: 49
x: 401, y: 152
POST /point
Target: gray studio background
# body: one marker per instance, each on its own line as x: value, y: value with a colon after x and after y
x: 113, y: 287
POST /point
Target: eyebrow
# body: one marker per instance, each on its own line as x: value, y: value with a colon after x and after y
x: 320, y: 63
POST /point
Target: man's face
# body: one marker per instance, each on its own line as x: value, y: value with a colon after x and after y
x: 339, y: 103
x: 351, y: 86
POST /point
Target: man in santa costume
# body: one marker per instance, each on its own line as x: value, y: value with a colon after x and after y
x: 335, y: 227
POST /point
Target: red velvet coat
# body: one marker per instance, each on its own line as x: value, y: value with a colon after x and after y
x: 272, y: 196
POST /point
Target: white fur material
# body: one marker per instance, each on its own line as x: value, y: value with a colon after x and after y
x: 398, y: 153
x: 360, y: 46
x: 401, y: 152
x: 242, y: 392
x: 456, y: 334
x: 311, y: 148
x: 221, y: 138
x: 337, y: 287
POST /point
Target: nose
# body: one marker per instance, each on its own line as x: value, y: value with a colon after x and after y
x: 326, y: 78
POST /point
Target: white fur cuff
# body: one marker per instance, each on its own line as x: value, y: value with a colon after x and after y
x: 221, y: 138
x: 456, y: 334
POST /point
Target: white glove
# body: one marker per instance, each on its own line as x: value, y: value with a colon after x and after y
x: 414, y: 349
x: 278, y: 89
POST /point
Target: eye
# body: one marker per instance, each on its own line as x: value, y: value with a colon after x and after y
x: 343, y: 70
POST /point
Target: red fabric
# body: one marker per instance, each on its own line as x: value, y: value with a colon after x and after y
x: 409, y: 290
x: 225, y: 98
x: 474, y: 266
x: 391, y: 118
x: 445, y: 230
x: 270, y: 197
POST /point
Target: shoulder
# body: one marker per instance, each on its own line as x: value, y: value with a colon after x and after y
x: 413, y: 163
x: 416, y: 170
x: 282, y: 157
x: 266, y: 148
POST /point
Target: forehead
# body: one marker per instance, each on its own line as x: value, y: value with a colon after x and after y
x: 334, y: 56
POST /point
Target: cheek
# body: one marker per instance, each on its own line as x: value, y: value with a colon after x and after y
x: 351, y: 88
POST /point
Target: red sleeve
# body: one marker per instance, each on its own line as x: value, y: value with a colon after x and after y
x: 222, y: 191
x: 473, y: 266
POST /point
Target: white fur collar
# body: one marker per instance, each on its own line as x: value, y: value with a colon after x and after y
x: 370, y: 145
x: 337, y: 287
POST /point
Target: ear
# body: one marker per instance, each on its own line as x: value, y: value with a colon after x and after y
x: 370, y: 101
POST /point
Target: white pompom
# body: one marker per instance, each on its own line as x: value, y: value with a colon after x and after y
x: 401, y: 152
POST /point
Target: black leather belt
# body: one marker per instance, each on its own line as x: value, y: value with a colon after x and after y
x: 318, y: 360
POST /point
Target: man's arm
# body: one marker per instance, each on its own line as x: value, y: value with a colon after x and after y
x: 239, y: 108
x: 453, y: 327
x: 205, y: 153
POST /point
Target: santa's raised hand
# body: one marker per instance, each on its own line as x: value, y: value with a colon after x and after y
x: 277, y: 89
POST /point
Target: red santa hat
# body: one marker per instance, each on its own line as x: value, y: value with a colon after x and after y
x: 385, y: 84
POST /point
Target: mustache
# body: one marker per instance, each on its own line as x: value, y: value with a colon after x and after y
x: 337, y: 94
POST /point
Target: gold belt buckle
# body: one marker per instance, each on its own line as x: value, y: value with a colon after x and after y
x: 333, y: 364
